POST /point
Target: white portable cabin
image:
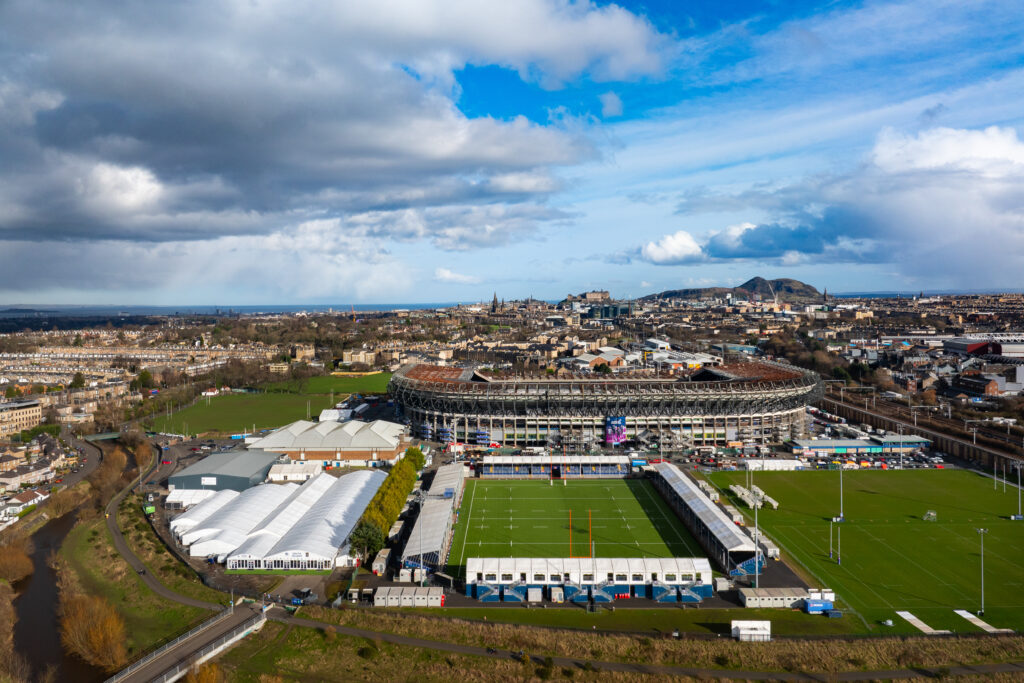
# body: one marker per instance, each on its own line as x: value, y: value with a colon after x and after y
x: 380, y: 563
x: 777, y: 598
x: 408, y: 597
x: 380, y: 598
x: 752, y: 631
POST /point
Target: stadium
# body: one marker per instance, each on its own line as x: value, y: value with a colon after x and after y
x: 751, y: 402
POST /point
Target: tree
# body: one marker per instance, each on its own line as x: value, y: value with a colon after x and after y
x: 367, y: 539
x: 11, y: 392
x: 77, y: 341
x: 91, y: 628
x: 145, y: 379
x: 78, y: 381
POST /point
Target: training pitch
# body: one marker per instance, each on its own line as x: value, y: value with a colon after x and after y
x: 892, y: 559
x: 517, y: 518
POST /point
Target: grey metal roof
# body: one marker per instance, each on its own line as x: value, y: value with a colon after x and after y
x: 713, y: 517
x: 240, y: 464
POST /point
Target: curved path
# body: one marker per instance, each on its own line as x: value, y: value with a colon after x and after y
x: 280, y: 615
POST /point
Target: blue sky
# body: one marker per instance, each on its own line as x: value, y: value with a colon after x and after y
x: 230, y: 153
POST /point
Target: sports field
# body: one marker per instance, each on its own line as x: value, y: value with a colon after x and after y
x: 891, y: 558
x: 235, y: 413
x: 517, y: 518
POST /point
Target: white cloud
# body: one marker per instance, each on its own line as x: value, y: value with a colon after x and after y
x: 993, y: 152
x: 675, y: 249
x: 611, y: 105
x: 120, y: 188
x: 446, y: 275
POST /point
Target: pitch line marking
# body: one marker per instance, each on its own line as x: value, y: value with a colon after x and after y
x: 462, y: 554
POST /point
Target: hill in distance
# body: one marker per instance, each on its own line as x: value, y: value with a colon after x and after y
x: 785, y: 288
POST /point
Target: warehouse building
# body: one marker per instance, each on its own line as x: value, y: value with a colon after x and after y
x: 875, y: 445
x: 236, y: 471
x: 337, y: 444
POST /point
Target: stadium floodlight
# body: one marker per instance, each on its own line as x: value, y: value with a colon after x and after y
x: 981, y: 535
x: 1017, y: 466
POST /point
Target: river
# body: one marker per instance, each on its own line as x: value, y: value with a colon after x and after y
x: 37, y: 632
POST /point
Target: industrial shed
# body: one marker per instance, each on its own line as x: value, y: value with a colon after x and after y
x: 337, y: 444
x: 236, y: 471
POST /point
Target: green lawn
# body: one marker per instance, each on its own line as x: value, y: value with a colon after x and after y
x: 325, y: 384
x: 892, y: 559
x: 234, y: 413
x: 517, y: 518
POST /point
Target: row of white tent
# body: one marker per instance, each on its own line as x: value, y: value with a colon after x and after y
x: 589, y: 571
x: 275, y: 526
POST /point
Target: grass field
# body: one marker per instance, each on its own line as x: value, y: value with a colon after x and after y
x: 368, y: 384
x: 892, y: 559
x: 233, y: 413
x: 517, y: 518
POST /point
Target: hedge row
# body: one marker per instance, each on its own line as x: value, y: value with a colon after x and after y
x: 383, y: 510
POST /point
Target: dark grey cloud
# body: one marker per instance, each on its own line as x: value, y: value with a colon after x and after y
x: 195, y: 120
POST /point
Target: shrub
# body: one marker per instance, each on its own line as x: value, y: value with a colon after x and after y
x: 15, y: 564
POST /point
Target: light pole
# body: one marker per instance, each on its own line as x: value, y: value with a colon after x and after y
x: 841, y: 468
x: 1017, y: 466
x: 981, y: 534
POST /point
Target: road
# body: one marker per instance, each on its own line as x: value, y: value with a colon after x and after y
x: 183, y: 652
x: 280, y: 615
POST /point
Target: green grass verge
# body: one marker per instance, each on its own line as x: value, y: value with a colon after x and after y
x: 522, y: 518
x: 325, y: 384
x: 159, y: 561
x: 892, y: 559
x: 149, y: 619
x: 236, y: 413
x: 661, y: 620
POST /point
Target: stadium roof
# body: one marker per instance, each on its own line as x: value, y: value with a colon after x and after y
x: 428, y: 534
x: 713, y: 517
x: 325, y: 436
